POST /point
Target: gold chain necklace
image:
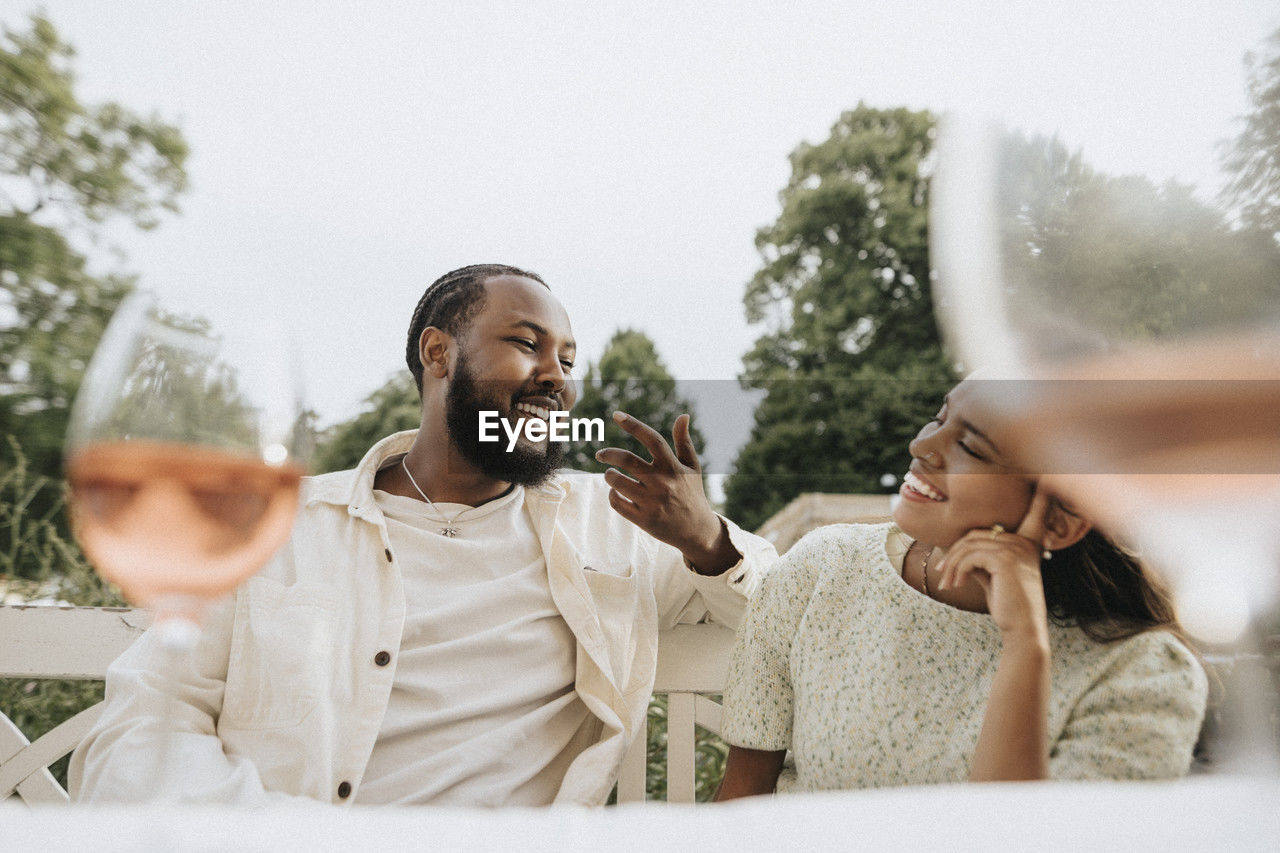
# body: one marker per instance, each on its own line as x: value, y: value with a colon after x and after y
x: 924, y: 571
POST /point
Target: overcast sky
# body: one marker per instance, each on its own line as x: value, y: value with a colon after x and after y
x: 344, y: 155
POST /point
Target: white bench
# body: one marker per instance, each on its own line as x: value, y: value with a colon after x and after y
x: 80, y: 642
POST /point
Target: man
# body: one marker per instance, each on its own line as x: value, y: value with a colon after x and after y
x: 451, y: 622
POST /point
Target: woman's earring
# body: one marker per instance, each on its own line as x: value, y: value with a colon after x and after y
x: 1046, y: 554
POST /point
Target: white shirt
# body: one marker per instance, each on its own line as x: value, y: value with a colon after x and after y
x: 285, y: 696
x: 483, y: 708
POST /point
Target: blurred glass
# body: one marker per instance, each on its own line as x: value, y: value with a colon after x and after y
x: 1129, y: 319
x: 185, y: 453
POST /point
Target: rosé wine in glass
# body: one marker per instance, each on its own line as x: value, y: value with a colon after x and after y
x: 176, y: 525
x: 185, y: 452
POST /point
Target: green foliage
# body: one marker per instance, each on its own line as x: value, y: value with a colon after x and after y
x: 629, y: 377
x: 1119, y: 255
x: 65, y: 168
x: 88, y: 161
x: 30, y: 544
x: 177, y: 385
x: 836, y: 435
x: 850, y: 359
x: 34, y: 554
x: 37, y: 707
x: 846, y: 266
x: 392, y: 408
x: 1253, y: 157
x: 32, y: 547
x: 851, y: 362
x: 710, y: 753
x: 52, y: 314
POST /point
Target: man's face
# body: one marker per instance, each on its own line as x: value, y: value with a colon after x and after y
x: 514, y: 358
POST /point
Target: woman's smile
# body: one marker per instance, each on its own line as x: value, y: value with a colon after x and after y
x: 915, y: 488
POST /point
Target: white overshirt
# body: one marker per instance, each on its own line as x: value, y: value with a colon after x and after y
x: 286, y: 695
x: 482, y: 709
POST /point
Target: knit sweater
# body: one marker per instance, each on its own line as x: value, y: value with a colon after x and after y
x: 871, y: 683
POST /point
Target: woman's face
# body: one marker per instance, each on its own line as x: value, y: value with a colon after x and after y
x: 958, y: 480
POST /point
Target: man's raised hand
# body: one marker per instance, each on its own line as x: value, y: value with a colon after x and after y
x: 664, y: 496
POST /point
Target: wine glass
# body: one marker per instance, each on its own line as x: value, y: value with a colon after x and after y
x: 184, y: 454
x: 1127, y: 309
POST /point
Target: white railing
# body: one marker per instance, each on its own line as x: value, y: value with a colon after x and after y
x: 80, y: 642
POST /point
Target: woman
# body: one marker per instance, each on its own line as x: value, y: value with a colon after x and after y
x: 990, y: 634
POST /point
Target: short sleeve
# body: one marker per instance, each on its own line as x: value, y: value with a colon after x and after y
x: 758, y: 698
x: 1140, y: 719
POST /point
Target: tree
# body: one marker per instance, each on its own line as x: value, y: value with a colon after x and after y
x: 392, y: 408
x: 630, y: 377
x: 1120, y: 258
x: 850, y: 361
x: 1253, y: 157
x: 65, y: 169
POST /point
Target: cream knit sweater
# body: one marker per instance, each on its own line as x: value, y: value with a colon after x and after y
x: 871, y: 684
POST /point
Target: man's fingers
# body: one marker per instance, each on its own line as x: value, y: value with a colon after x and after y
x: 625, y: 460
x: 683, y: 442
x: 1033, y: 523
x: 621, y: 483
x: 624, y: 507
x: 648, y: 436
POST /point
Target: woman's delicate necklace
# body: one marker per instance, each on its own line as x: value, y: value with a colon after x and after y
x: 924, y: 571
x: 448, y: 530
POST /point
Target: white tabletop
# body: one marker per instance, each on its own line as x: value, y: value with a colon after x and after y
x: 1208, y: 813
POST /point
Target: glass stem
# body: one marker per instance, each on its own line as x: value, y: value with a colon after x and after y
x: 177, y: 635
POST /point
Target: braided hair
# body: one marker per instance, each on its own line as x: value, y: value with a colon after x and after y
x: 450, y: 303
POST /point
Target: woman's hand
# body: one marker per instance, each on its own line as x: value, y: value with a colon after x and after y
x: 1012, y: 743
x: 1007, y: 567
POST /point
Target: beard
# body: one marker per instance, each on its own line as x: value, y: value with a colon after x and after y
x: 525, y: 464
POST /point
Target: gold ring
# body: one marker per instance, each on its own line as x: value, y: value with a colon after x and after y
x: 996, y: 530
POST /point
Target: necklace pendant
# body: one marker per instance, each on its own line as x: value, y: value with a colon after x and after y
x: 450, y: 532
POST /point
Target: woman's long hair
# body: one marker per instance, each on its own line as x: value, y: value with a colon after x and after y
x: 1105, y: 590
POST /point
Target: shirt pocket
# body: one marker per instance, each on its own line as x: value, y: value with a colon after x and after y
x: 282, y: 654
x: 616, y: 598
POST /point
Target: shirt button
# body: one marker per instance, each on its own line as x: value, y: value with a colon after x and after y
x: 382, y: 658
x: 344, y: 790
x: 387, y: 551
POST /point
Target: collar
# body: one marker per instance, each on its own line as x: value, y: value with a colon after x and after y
x: 354, y: 488
x: 896, y: 545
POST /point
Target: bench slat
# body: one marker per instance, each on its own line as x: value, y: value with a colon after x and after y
x: 707, y: 714
x: 81, y: 642
x: 693, y: 659
x: 65, y: 642
x: 37, y: 756
x: 680, y: 745
x: 39, y: 787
